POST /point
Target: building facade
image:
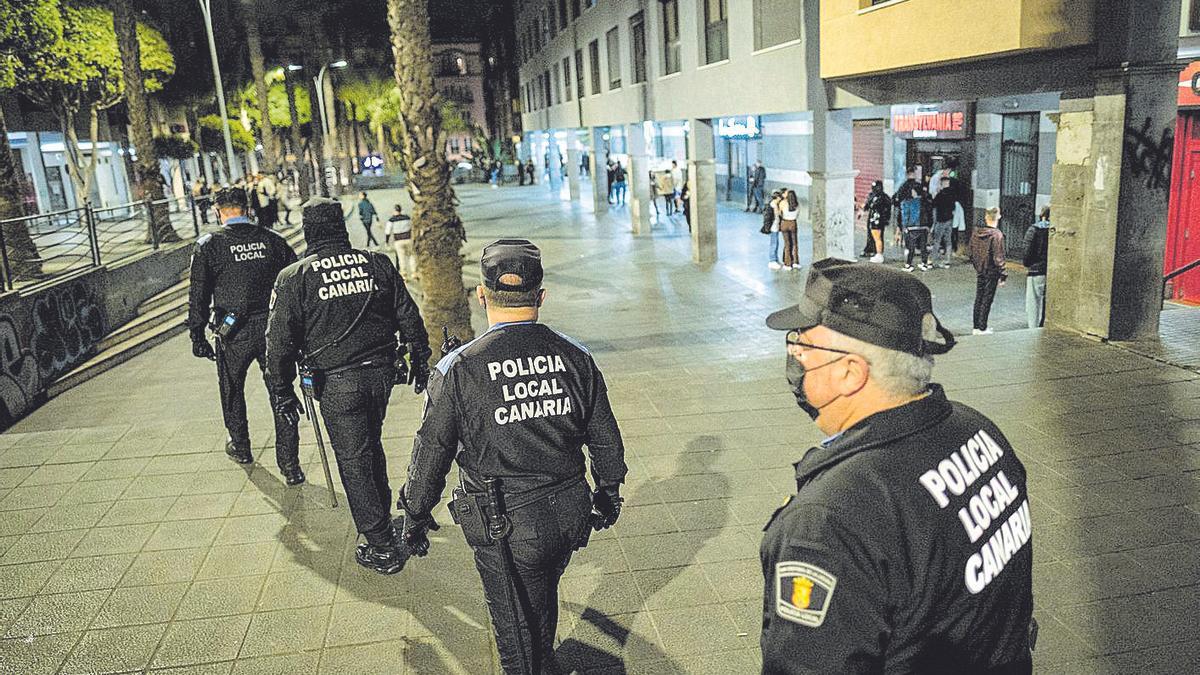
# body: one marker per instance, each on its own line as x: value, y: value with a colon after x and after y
x: 458, y: 76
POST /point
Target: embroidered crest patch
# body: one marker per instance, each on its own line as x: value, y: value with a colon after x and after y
x: 803, y: 592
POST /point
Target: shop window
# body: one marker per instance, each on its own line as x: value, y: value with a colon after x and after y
x: 716, y: 31
x: 776, y: 22
x: 566, y: 71
x: 613, y: 43
x: 670, y: 36
x: 594, y: 59
x: 637, y: 41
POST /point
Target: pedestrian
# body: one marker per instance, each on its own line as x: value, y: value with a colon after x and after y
x: 398, y: 232
x: 987, y: 255
x: 664, y: 186
x: 912, y: 228
x: 520, y: 174
x: 1037, y: 248
x: 770, y: 226
x: 200, y: 197
x: 789, y: 211
x: 266, y: 193
x: 348, y: 319
x: 878, y: 208
x: 612, y: 170
x: 529, y: 171
x: 516, y: 406
x: 907, y: 547
x: 757, y: 182
x: 619, y: 180
x: 367, y: 215
x: 943, y: 221
x: 685, y: 201
x: 585, y: 168
x: 494, y: 174
x: 677, y: 181
x: 232, y: 270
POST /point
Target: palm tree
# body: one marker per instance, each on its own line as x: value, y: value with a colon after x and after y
x: 259, y: 70
x: 147, y: 173
x: 437, y: 230
x: 298, y: 164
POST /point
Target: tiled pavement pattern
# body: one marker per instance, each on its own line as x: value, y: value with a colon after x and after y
x: 129, y: 542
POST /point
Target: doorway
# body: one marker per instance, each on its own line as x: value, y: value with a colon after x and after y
x: 1183, y: 222
x: 1018, y: 180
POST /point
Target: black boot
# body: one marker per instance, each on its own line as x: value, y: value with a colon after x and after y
x: 382, y: 559
x: 292, y: 475
x: 238, y: 452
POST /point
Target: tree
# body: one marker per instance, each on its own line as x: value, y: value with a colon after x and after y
x: 212, y: 138
x: 28, y: 30
x: 83, y: 71
x: 147, y: 173
x: 298, y: 165
x: 438, y: 232
x: 258, y: 68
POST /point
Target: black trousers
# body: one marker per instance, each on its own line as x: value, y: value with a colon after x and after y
x: 353, y: 406
x: 249, y: 344
x: 916, y: 240
x: 544, y: 535
x: 985, y: 292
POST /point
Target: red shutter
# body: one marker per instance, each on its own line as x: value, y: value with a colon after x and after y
x: 868, y: 157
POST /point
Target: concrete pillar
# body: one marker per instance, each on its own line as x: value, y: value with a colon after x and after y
x: 599, y: 171
x: 831, y: 198
x: 638, y: 195
x: 573, y: 155
x: 702, y: 189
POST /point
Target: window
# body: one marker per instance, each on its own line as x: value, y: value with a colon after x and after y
x: 579, y: 91
x: 613, y: 43
x: 566, y: 71
x: 776, y: 22
x: 1194, y: 17
x: 537, y: 34
x: 551, y: 21
x: 562, y: 14
x: 594, y: 56
x: 716, y: 31
x: 575, y: 9
x: 557, y: 83
x: 546, y: 86
x: 588, y: 4
x: 670, y: 36
x: 637, y: 41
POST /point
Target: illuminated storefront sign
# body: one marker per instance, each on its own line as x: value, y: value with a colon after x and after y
x: 950, y: 119
x: 739, y: 127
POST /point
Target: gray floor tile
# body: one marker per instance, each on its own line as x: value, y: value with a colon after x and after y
x: 201, y: 641
x: 115, y: 650
x: 39, y: 656
x: 61, y: 613
x: 140, y: 605
x: 286, y: 631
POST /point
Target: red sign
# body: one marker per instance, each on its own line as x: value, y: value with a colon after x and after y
x: 951, y: 119
x: 1189, y: 85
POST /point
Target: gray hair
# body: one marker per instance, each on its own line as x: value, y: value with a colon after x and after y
x: 897, y: 373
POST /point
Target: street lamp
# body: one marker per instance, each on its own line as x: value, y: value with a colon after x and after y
x: 319, y: 80
x: 231, y: 159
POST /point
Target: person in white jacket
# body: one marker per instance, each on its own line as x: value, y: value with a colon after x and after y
x: 398, y: 232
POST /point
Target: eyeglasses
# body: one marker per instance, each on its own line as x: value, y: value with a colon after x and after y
x: 793, y: 340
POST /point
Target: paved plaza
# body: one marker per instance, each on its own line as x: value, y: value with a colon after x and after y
x: 128, y: 542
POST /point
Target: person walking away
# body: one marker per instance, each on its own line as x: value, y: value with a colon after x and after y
x: 398, y: 232
x: 266, y: 194
x: 987, y: 255
x: 529, y: 171
x: 911, y: 228
x: 770, y: 226
x: 879, y: 213
x: 664, y: 184
x: 200, y: 198
x: 685, y: 201
x: 232, y: 270
x: 756, y: 180
x: 367, y: 215
x: 345, y: 315
x: 908, y: 544
x: 1037, y: 247
x: 531, y: 452
x: 677, y: 181
x: 943, y: 221
x: 619, y: 177
x: 612, y: 171
x: 789, y: 211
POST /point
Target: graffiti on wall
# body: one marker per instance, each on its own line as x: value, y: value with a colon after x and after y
x: 68, y: 322
x: 20, y: 382
x: 1149, y: 158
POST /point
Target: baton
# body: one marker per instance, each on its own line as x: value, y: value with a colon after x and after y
x: 499, y: 527
x: 311, y: 409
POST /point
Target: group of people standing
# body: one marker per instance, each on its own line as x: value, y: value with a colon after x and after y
x: 263, y: 194
x: 779, y: 221
x: 935, y: 206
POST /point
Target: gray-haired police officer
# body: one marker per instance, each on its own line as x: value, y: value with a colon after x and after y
x: 346, y: 315
x: 514, y: 407
x: 231, y: 275
x: 907, y: 547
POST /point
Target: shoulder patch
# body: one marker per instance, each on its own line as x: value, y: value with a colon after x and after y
x: 449, y: 359
x: 803, y: 592
x: 204, y: 239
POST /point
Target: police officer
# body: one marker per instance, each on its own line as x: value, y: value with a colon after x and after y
x: 231, y: 276
x: 907, y: 546
x: 514, y: 407
x: 347, y: 317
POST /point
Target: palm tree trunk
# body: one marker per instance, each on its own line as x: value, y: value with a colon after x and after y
x: 147, y: 172
x: 297, y: 145
x: 258, y: 69
x: 437, y: 230
x: 23, y: 256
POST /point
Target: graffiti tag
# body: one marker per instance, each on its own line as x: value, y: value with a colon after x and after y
x: 19, y: 379
x: 1149, y: 157
x: 67, y: 323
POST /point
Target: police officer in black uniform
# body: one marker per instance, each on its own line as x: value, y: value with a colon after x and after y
x: 231, y: 276
x: 347, y: 318
x: 907, y: 546
x: 514, y: 407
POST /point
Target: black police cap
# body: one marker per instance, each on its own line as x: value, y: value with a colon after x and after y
x: 323, y: 219
x: 879, y: 305
x: 518, y: 257
x: 230, y: 195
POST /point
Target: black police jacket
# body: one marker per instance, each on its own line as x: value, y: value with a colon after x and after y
x: 907, y: 549
x: 336, y: 307
x: 517, y: 403
x: 233, y: 269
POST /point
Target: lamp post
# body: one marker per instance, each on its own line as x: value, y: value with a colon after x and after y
x: 231, y: 159
x: 326, y: 149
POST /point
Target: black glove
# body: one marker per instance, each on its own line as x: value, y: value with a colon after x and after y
x: 401, y: 367
x: 416, y: 528
x: 202, y: 350
x: 418, y: 376
x: 287, y: 407
x: 606, y: 507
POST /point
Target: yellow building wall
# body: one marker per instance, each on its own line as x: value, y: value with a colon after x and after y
x: 859, y: 40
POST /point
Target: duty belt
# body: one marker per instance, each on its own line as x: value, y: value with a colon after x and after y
x: 473, y: 486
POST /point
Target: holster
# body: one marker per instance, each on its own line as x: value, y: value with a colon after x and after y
x: 467, y: 511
